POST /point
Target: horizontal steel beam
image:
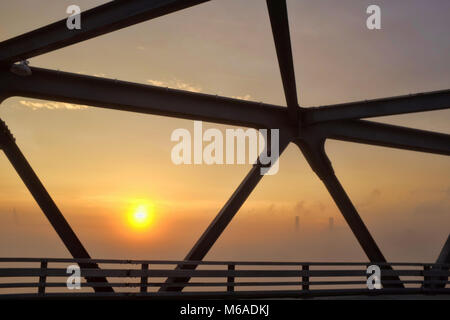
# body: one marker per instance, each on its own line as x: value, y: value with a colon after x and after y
x: 280, y: 29
x: 373, y: 133
x: 128, y: 96
x: 100, y: 20
x: 428, y: 101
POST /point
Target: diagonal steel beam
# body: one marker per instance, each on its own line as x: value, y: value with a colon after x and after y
x: 444, y: 258
x: 127, y: 96
x: 221, y: 221
x: 427, y: 101
x: 315, y: 155
x: 100, y: 20
x: 280, y: 29
x: 379, y: 134
x: 444, y: 255
x: 46, y: 203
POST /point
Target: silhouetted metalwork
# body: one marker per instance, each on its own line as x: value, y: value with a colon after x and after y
x: 46, y: 203
x: 109, y: 17
x: 280, y: 28
x: 308, y: 128
x: 443, y: 262
x: 230, y: 279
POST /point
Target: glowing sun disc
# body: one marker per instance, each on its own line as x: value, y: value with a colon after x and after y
x: 141, y: 216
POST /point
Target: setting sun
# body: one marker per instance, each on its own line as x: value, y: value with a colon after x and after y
x: 141, y: 215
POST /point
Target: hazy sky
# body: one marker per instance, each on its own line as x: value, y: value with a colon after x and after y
x: 96, y: 163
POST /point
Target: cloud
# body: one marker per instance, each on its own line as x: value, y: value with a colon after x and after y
x: 157, y: 83
x: 300, y: 208
x: 176, y: 84
x: 440, y: 207
x: 35, y: 105
x: 244, y: 97
x: 371, y: 199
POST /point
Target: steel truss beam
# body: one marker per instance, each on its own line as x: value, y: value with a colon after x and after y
x: 379, y: 134
x: 100, y: 20
x: 280, y: 29
x: 47, y: 205
x: 319, y: 162
x: 444, y: 255
x: 128, y: 96
x: 223, y: 218
x: 427, y: 101
x: 444, y: 258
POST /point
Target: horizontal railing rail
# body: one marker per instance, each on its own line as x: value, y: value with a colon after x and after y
x: 192, y: 262
x: 216, y: 278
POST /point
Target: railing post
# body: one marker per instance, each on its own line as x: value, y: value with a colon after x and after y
x: 426, y: 269
x: 230, y: 288
x: 144, y: 278
x: 367, y: 275
x: 305, y: 278
x: 42, y: 277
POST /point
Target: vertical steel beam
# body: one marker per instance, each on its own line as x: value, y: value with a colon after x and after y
x: 319, y: 162
x: 46, y: 203
x: 221, y: 221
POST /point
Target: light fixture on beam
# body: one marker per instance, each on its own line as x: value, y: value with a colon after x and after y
x: 21, y: 69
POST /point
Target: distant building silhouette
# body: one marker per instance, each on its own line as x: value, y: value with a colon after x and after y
x: 330, y: 223
x: 15, y: 216
x: 297, y: 223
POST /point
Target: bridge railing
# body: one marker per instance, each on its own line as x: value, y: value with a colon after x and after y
x: 49, y: 276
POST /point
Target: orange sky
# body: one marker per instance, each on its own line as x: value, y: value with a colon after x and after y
x: 96, y: 163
